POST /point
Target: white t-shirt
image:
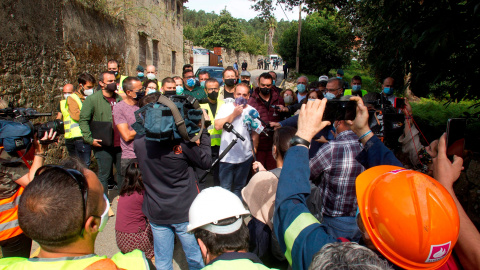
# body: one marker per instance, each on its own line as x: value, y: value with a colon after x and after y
x: 242, y: 149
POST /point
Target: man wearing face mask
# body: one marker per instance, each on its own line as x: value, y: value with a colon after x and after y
x: 67, y: 90
x: 274, y: 86
x: 76, y: 200
x: 264, y: 100
x: 96, y: 118
x: 387, y: 91
x: 169, y: 87
x: 112, y: 66
x: 140, y: 73
x: 212, y: 88
x: 245, y: 78
x: 71, y: 108
x: 229, y: 80
x: 151, y: 73
x: 340, y: 77
x: 356, y: 88
x: 334, y: 88
x: 124, y: 112
x: 302, y: 92
x: 202, y: 77
x: 190, y: 88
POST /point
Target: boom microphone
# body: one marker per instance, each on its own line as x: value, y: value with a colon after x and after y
x: 229, y: 128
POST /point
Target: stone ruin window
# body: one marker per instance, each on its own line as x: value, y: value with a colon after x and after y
x: 155, y: 53
x: 142, y: 49
x: 174, y: 61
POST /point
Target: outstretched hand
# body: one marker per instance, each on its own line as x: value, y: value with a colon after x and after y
x: 360, y: 124
x: 444, y: 171
x: 310, y: 120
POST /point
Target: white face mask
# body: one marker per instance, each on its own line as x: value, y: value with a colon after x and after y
x: 151, y: 91
x: 88, y: 92
x: 66, y: 95
x: 104, y: 217
x: 150, y: 76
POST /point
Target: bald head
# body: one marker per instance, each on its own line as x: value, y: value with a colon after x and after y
x: 151, y: 69
x: 68, y: 88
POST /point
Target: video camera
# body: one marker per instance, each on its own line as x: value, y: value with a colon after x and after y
x: 17, y: 132
x: 170, y: 117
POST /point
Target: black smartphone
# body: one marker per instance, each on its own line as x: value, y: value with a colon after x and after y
x: 456, y: 137
x: 399, y: 103
x: 336, y: 110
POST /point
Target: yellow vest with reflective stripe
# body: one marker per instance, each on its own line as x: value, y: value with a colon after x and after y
x: 72, y: 129
x: 132, y: 260
x: 215, y: 134
x: 348, y: 92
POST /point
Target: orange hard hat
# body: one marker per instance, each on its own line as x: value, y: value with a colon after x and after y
x: 410, y: 217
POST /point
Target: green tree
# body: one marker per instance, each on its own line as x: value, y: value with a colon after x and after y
x: 325, y: 43
x: 223, y: 32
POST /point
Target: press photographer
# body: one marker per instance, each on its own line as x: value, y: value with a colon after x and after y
x: 19, y: 145
x: 167, y: 155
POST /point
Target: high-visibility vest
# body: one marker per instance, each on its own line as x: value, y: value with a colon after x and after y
x: 9, y: 216
x: 72, y: 129
x: 132, y: 260
x: 348, y: 92
x: 215, y: 134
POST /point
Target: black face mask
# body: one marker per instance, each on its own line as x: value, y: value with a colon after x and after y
x: 139, y: 95
x: 245, y: 81
x: 111, y: 87
x: 230, y: 82
x: 213, y: 95
x: 265, y: 91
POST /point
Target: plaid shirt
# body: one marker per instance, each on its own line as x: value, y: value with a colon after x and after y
x: 335, y: 162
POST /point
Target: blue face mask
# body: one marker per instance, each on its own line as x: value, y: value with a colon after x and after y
x: 191, y: 82
x: 329, y: 95
x: 312, y: 99
x: 179, y: 90
x: 301, y: 88
x: 356, y: 88
x: 140, y: 74
x: 273, y: 82
x: 339, y: 78
x: 151, y: 91
x: 388, y: 90
x: 202, y: 84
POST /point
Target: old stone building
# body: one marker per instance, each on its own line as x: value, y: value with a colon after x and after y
x: 45, y: 44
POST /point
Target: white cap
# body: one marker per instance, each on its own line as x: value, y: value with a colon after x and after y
x: 323, y: 78
x: 215, y: 204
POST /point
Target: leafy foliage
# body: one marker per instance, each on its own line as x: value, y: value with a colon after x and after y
x: 325, y: 43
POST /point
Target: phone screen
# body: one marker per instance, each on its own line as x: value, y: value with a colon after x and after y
x: 456, y: 136
x: 340, y: 110
x: 399, y: 103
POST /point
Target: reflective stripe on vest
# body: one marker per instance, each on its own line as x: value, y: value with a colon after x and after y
x: 72, y: 128
x: 132, y: 260
x: 9, y: 216
x: 215, y: 134
x: 301, y: 222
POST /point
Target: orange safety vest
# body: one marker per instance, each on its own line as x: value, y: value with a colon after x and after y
x: 9, y: 216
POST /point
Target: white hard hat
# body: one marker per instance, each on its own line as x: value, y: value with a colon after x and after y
x: 215, y: 204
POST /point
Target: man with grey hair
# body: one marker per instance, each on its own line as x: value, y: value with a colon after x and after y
x: 349, y: 255
x: 334, y: 88
x: 302, y: 92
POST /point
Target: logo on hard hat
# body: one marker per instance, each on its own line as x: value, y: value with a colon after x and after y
x: 438, y: 252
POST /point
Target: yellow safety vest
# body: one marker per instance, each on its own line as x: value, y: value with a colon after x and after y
x: 72, y: 129
x: 132, y: 260
x: 215, y: 134
x: 9, y: 216
x: 348, y: 92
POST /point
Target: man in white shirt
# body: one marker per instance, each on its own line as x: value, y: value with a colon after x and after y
x: 235, y: 165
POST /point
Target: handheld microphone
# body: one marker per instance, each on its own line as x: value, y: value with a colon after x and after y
x: 254, y: 114
x: 229, y: 128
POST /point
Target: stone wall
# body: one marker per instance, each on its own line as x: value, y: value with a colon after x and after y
x: 230, y: 56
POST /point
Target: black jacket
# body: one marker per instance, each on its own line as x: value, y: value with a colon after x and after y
x: 169, y: 178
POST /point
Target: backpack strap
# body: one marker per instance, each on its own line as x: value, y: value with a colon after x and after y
x: 179, y: 121
x: 104, y: 264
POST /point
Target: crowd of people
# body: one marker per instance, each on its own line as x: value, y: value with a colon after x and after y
x: 290, y: 189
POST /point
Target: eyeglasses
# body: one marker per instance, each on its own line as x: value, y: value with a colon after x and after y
x: 76, y: 175
x: 332, y: 90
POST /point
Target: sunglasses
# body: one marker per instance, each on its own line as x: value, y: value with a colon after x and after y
x: 76, y: 175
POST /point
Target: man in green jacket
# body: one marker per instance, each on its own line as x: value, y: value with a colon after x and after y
x: 99, y: 129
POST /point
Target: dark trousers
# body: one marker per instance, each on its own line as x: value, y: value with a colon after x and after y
x: 76, y: 147
x: 17, y: 246
x: 106, y: 157
x: 233, y: 176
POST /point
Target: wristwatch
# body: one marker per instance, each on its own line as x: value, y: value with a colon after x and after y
x: 297, y: 140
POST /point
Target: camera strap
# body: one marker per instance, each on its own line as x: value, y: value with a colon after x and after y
x: 179, y: 121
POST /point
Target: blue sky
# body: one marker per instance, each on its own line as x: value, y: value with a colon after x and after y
x: 238, y: 8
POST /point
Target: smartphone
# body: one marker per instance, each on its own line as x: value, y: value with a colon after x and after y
x: 456, y: 137
x: 336, y: 110
x: 399, y: 103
